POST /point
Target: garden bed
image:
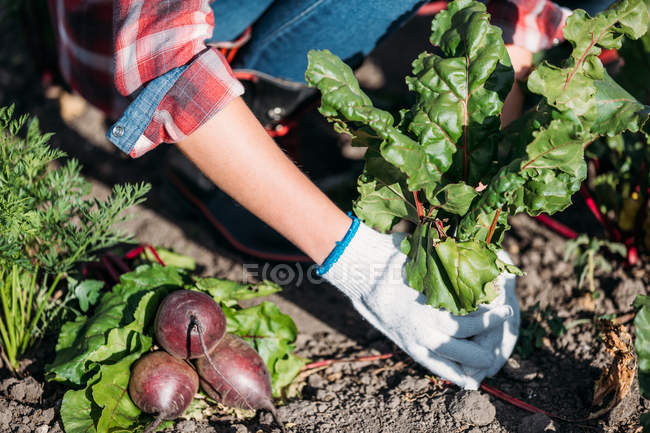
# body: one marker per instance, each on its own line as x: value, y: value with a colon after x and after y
x: 395, y: 395
x: 387, y: 395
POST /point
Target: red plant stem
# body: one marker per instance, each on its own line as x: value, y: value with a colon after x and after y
x: 418, y: 205
x: 327, y: 362
x: 488, y: 239
x: 516, y: 402
x: 632, y: 256
x: 135, y: 252
x: 155, y: 254
x: 556, y: 226
x: 602, y: 219
x: 110, y: 269
x: 119, y: 262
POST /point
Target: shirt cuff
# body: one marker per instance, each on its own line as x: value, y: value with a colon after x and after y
x: 174, y: 105
x: 532, y: 24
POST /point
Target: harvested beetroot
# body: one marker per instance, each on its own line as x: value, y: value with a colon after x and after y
x: 186, y: 317
x: 236, y: 376
x: 164, y: 385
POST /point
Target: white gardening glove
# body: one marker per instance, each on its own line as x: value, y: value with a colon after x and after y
x: 500, y: 340
x: 370, y: 271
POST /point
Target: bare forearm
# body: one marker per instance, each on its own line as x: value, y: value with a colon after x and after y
x: 237, y: 154
x: 521, y: 62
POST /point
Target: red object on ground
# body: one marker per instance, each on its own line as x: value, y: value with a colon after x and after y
x: 516, y: 402
x: 326, y: 362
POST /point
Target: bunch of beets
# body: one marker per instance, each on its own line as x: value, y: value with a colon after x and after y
x: 190, y: 325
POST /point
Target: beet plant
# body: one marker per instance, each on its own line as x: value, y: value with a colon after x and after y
x: 189, y: 324
x: 163, y: 385
x: 449, y: 168
x: 234, y: 375
x: 97, y: 353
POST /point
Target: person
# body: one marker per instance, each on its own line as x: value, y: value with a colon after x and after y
x: 157, y: 67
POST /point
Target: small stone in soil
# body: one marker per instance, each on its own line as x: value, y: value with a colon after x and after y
x: 316, y: 381
x: 186, y: 426
x: 537, y: 423
x: 472, y: 407
x: 523, y: 370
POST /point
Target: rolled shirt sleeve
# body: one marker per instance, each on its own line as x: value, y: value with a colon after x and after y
x: 161, y: 61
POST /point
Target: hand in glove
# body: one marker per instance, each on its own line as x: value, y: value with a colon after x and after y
x: 369, y: 268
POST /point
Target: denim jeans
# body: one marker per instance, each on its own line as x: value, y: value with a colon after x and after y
x: 285, y: 30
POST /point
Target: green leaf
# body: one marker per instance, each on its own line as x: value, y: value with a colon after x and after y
x: 642, y: 343
x: 343, y: 102
x: 171, y: 258
x: 644, y: 419
x: 384, y: 197
x: 146, y: 277
x: 272, y: 334
x: 226, y: 291
x: 453, y: 275
x: 87, y: 293
x: 616, y: 109
x: 556, y: 147
x: 111, y: 394
x: 78, y: 412
x: 79, y: 340
x: 573, y: 86
x: 457, y: 198
x: 460, y: 94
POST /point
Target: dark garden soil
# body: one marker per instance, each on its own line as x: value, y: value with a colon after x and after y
x: 391, y: 395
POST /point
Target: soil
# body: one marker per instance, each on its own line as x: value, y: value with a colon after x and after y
x: 392, y: 395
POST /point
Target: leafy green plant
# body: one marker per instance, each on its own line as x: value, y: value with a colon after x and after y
x: 95, y: 352
x: 48, y: 224
x: 617, y: 188
x: 642, y: 348
x: 537, y: 324
x: 585, y: 252
x: 448, y: 167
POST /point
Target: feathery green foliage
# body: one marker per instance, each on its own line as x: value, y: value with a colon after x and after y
x: 48, y: 224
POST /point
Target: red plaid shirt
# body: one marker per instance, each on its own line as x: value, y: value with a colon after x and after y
x: 110, y: 50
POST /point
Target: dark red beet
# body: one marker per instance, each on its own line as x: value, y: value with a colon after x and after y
x: 163, y: 385
x: 236, y: 376
x: 182, y: 316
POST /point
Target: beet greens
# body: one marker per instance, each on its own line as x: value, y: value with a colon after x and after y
x: 449, y: 168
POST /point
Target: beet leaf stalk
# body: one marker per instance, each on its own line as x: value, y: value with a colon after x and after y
x: 448, y: 167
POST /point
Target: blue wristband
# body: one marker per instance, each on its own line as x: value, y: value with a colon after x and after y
x: 340, y: 247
